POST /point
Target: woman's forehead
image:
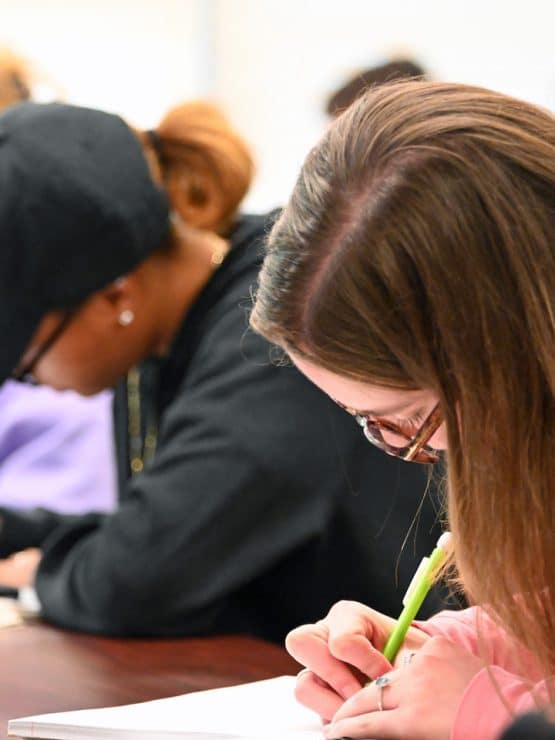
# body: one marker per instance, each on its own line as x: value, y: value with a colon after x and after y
x: 359, y: 396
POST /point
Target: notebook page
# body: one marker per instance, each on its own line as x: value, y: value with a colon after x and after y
x: 264, y: 710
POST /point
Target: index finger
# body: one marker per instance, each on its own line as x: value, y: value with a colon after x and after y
x: 309, y: 646
x: 351, y: 639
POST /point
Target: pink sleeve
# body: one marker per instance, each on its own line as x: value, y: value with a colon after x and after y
x: 511, y: 685
x: 498, y: 648
x: 490, y: 702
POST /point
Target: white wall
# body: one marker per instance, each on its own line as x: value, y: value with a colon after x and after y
x: 279, y: 59
x: 133, y: 57
x: 272, y: 63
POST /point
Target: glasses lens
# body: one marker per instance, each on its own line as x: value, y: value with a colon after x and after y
x: 373, y: 434
x: 25, y: 378
x: 25, y: 374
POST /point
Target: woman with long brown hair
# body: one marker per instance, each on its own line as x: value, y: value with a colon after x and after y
x: 412, y: 278
x: 124, y: 259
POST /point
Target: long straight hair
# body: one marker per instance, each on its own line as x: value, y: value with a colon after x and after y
x: 418, y: 251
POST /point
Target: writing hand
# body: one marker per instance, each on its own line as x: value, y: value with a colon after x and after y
x: 420, y: 701
x: 341, y: 652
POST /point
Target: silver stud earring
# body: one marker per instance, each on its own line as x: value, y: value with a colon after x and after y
x: 126, y: 317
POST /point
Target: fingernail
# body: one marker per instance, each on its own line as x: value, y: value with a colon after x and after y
x: 330, y: 734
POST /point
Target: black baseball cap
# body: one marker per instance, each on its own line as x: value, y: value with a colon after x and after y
x: 78, y: 208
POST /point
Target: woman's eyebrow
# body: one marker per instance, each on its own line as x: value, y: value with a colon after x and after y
x: 408, y: 411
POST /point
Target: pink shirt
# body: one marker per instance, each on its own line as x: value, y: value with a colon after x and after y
x: 512, y: 685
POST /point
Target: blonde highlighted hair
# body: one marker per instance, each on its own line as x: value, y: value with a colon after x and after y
x: 15, y: 79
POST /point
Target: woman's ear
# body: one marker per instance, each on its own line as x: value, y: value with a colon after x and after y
x: 117, y: 290
x: 120, y: 298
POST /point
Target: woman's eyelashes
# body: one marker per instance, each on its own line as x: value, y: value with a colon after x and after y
x: 410, y: 422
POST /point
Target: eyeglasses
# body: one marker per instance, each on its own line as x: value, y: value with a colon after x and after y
x: 416, y: 450
x: 24, y: 373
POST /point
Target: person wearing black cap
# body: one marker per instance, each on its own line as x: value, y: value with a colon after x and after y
x: 239, y: 493
x: 353, y: 88
x: 78, y: 475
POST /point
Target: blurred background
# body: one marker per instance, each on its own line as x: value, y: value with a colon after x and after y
x: 271, y: 64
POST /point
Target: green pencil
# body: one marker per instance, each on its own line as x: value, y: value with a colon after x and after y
x: 416, y: 593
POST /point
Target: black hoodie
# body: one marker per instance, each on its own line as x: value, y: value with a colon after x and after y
x: 262, y: 506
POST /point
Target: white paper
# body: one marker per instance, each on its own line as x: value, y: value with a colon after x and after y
x: 265, y: 710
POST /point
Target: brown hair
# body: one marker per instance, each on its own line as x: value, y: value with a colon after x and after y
x: 418, y: 250
x: 203, y: 163
x: 15, y: 79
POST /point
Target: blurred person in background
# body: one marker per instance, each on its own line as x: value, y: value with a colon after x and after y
x: 56, y: 449
x: 399, y: 69
x: 248, y: 501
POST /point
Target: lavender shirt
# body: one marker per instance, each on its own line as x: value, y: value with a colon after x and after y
x: 56, y: 450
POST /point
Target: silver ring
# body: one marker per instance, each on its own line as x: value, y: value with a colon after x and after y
x: 381, y: 683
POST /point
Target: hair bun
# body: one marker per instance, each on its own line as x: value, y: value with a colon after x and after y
x: 206, y: 166
x: 15, y: 79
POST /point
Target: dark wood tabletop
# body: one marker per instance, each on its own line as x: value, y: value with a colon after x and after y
x: 43, y: 669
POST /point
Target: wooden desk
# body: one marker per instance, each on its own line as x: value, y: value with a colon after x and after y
x: 43, y: 669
